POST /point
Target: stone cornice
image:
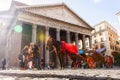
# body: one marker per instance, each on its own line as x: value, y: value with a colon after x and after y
x: 53, y: 5
x: 38, y: 15
x: 39, y: 6
x: 78, y: 16
x: 99, y: 32
x: 46, y: 21
x: 19, y: 3
x: 118, y: 13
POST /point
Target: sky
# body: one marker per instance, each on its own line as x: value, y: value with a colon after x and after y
x: 92, y: 11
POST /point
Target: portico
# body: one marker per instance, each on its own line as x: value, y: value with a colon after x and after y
x: 56, y: 20
x: 58, y: 33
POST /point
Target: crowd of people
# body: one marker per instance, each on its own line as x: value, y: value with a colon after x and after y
x: 29, y: 57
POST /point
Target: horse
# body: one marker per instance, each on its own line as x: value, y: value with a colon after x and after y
x: 61, y: 48
x: 99, y: 60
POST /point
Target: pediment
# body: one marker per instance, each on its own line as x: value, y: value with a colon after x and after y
x: 59, y: 12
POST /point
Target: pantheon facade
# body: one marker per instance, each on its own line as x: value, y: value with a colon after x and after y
x: 38, y: 22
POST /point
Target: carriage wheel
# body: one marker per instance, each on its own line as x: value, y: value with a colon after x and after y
x: 109, y: 62
x: 91, y: 62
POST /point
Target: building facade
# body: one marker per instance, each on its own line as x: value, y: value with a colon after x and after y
x: 38, y: 22
x: 118, y: 15
x: 106, y: 34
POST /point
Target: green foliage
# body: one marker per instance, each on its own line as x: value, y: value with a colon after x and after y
x: 117, y: 59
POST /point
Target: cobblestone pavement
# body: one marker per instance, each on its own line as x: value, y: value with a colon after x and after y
x: 67, y: 74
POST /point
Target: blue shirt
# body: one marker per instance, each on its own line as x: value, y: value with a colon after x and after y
x: 100, y: 50
x: 80, y: 51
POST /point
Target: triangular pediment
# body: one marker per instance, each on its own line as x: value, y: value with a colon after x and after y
x: 60, y: 12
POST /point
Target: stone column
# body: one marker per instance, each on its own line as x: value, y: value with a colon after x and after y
x: 68, y: 61
x: 58, y: 34
x: 34, y: 31
x: 83, y: 41
x: 76, y: 40
x: 47, y: 60
x: 68, y: 37
x: 13, y: 46
x: 90, y: 41
x: 18, y: 41
x: 58, y: 38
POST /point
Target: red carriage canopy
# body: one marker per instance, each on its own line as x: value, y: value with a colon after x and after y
x: 69, y: 47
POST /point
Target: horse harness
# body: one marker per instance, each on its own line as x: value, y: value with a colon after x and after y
x: 54, y: 49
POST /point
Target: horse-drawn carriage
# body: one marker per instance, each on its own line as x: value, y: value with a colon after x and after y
x: 61, y: 48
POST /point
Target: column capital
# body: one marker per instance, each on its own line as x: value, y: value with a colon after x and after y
x: 47, y: 28
x: 57, y: 29
x: 34, y: 26
x: 76, y: 34
x: 84, y: 35
x: 19, y: 22
x: 90, y: 36
x: 68, y: 32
